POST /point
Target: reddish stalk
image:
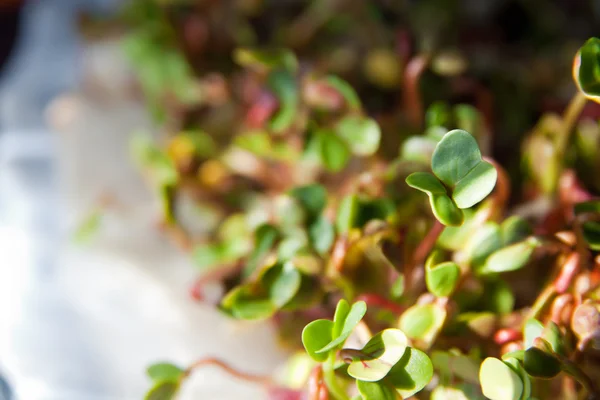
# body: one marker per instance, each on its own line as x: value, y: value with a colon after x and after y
x: 215, y: 275
x: 412, y: 96
x: 567, y: 273
x: 503, y: 336
x: 501, y: 192
x: 244, y: 376
x: 375, y: 300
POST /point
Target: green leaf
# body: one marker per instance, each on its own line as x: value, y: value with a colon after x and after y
x: 531, y: 330
x: 397, y: 288
x: 163, y: 391
x: 375, y: 390
x: 258, y: 143
x: 242, y: 303
x: 553, y: 335
x: 322, y: 235
x: 442, y: 279
x: 381, y: 352
x: 264, y: 239
x: 285, y: 88
x: 438, y: 114
x: 455, y: 156
x: 339, y: 318
x: 356, y: 313
x: 422, y: 321
x: 499, y: 381
x: 334, y: 152
x: 418, y: 148
x: 455, y: 237
x: 453, y: 363
x: 586, y: 69
x: 475, y: 185
x: 425, y: 182
x: 445, y: 210
x: 510, y: 258
x: 361, y: 134
x: 486, y: 240
x: 467, y: 118
x: 315, y: 336
x: 164, y: 372
x: 591, y: 206
x: 498, y: 297
x: 411, y: 373
x: 515, y: 229
x: 88, y: 227
x: 313, y: 198
x: 347, y: 214
x: 346, y: 90
x: 591, y: 234
x: 283, y: 282
x: 515, y: 364
x: 448, y: 393
x: 541, y: 364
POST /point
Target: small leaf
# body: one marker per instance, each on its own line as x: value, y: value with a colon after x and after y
x: 264, y: 239
x: 347, y: 214
x: 258, y: 143
x: 412, y: 373
x: 445, y: 210
x: 510, y: 258
x: 498, y: 297
x: 591, y: 206
x: 88, y: 227
x: 322, y: 235
x: 163, y: 391
x: 356, y: 313
x: 243, y: 304
x: 484, y: 241
x: 591, y: 234
x: 438, y: 114
x: 515, y: 364
x: 381, y: 352
x: 499, y: 381
x: 541, y: 364
x: 455, y: 156
x: 475, y: 185
x: 284, y: 86
x: 315, y: 336
x: 442, y: 279
x: 346, y: 90
x: 425, y: 182
x: 164, y: 372
x: 312, y: 198
x: 361, y: 134
x: 375, y: 390
x: 265, y: 59
x: 514, y: 229
x: 283, y: 283
x: 586, y: 69
x: 334, y: 152
x: 339, y: 318
x: 418, y: 148
x: 422, y: 321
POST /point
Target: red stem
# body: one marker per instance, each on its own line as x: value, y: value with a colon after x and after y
x: 258, y: 379
x: 376, y: 300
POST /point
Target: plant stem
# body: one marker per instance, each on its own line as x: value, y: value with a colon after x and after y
x: 258, y: 379
x: 330, y: 379
x: 569, y: 120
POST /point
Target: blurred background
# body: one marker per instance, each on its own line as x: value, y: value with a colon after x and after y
x: 79, y: 77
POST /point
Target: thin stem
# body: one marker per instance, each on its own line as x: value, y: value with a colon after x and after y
x: 258, y: 379
x: 330, y: 379
x: 570, y: 117
x: 412, y: 96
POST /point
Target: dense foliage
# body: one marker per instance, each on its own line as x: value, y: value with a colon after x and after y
x: 288, y: 175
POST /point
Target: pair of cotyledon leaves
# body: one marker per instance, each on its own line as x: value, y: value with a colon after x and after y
x: 384, y: 366
x: 460, y: 179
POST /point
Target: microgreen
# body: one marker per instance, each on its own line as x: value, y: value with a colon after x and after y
x: 462, y: 179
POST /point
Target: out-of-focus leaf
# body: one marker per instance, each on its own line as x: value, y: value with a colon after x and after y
x: 346, y: 90
x: 164, y: 372
x: 441, y: 279
x: 361, y: 134
x: 285, y: 88
x: 586, y: 69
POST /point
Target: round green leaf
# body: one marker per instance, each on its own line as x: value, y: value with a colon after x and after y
x: 163, y: 391
x: 357, y: 311
x: 485, y: 240
x: 586, y: 69
x: 475, y: 185
x: 425, y: 182
x: 515, y: 229
x: 499, y: 381
x: 411, y: 373
x: 531, y: 330
x: 283, y: 283
x: 381, y: 352
x: 243, y: 304
x: 541, y: 364
x: 422, y: 321
x: 515, y: 364
x: 315, y: 336
x: 442, y: 278
x: 510, y: 258
x: 334, y: 151
x: 455, y: 156
x: 164, y: 372
x: 362, y: 134
x: 445, y: 210
x: 375, y: 390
